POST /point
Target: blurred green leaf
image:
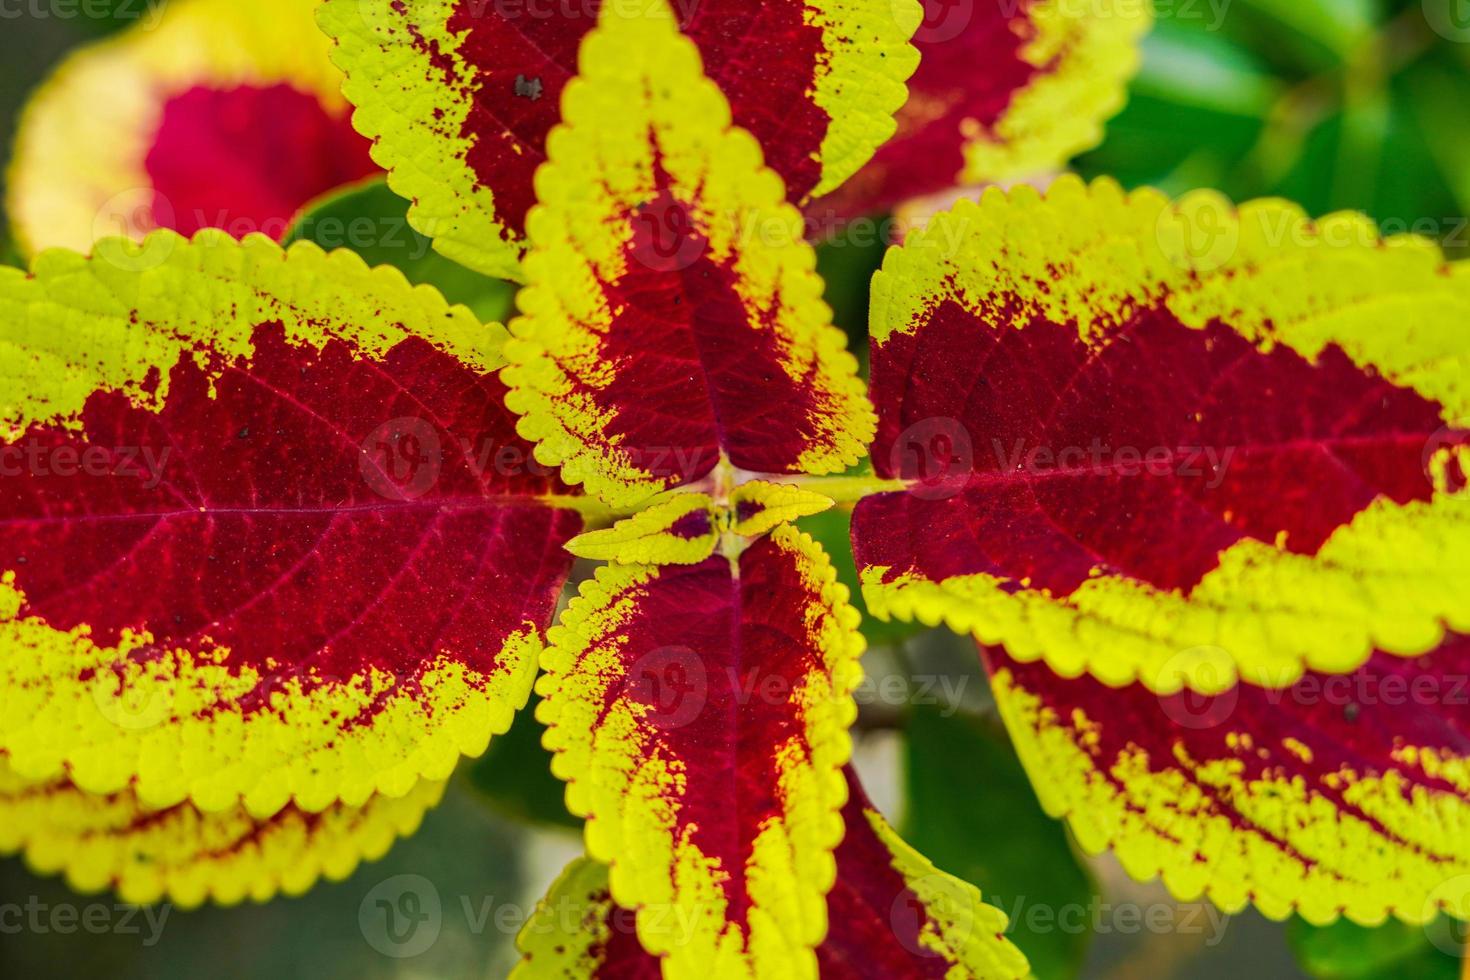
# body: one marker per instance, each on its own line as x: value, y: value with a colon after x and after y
x: 373, y: 221
x: 846, y: 264
x: 1189, y: 67
x: 514, y: 775
x: 1195, y: 110
x: 1311, y: 100
x: 1437, y: 91
x: 832, y: 530
x: 971, y: 811
x: 1309, y: 34
x: 1392, y: 951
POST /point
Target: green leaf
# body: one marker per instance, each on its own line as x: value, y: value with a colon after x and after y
x: 1313, y: 34
x: 514, y: 775
x: 1437, y: 89
x: 1204, y: 70
x: 1312, y: 102
x: 833, y: 531
x: 372, y: 221
x: 1194, y: 111
x: 971, y: 811
x: 1392, y: 951
x: 846, y: 264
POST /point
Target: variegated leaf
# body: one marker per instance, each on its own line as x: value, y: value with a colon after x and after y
x: 673, y: 317
x: 1137, y: 434
x: 460, y: 96
x: 1341, y: 794
x: 200, y: 114
x: 891, y: 916
x: 260, y: 536
x: 1004, y: 91
x: 699, y: 714
x: 186, y: 857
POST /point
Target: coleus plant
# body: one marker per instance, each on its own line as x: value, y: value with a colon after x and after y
x: 287, y: 532
x: 204, y: 114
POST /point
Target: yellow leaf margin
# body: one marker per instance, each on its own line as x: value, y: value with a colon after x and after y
x: 1393, y: 579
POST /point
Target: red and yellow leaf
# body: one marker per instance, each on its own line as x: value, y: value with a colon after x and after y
x: 682, y: 529
x: 759, y: 506
x: 251, y: 543
x: 699, y: 714
x: 673, y: 315
x: 1132, y: 429
x: 685, y: 527
x: 892, y: 916
x: 184, y: 856
x: 1050, y: 72
x: 460, y: 96
x: 1341, y: 794
x: 164, y: 126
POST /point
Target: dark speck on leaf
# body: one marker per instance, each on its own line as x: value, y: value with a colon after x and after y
x: 528, y: 88
x: 1350, y: 711
x: 244, y: 433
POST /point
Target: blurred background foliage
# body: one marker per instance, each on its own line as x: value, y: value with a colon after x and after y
x: 1336, y: 104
